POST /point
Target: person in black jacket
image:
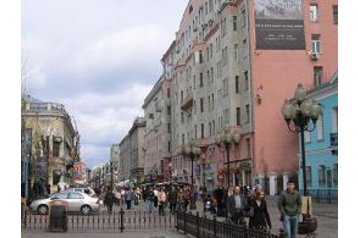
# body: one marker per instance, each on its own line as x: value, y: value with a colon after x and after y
x: 259, y: 216
x: 109, y: 199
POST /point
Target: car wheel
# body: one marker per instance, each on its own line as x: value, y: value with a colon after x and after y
x: 85, y: 210
x: 42, y: 209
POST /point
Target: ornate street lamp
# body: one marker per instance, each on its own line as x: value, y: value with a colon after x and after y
x: 227, y: 139
x: 192, y: 151
x: 298, y: 114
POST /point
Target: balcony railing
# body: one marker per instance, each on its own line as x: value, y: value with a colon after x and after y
x: 187, y: 101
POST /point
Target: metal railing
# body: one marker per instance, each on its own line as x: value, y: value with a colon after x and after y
x: 204, y: 227
x: 328, y: 195
x: 117, y: 221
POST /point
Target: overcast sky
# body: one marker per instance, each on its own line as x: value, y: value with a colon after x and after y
x: 99, y: 58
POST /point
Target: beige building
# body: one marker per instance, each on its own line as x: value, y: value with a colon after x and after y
x: 54, y: 144
x: 132, y: 152
x: 157, y: 141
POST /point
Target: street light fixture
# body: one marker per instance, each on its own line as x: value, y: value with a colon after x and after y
x: 227, y: 139
x: 298, y: 114
x: 192, y: 151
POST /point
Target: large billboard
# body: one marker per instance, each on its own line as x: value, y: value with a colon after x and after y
x: 279, y: 25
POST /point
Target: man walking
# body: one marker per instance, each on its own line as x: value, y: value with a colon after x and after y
x: 235, y: 206
x: 289, y: 204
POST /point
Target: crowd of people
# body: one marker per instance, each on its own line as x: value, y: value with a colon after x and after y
x: 238, y: 204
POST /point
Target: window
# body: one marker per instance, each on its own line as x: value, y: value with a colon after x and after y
x: 201, y: 58
x: 236, y: 52
x: 322, y: 176
x: 56, y: 149
x: 224, y: 56
x: 245, y: 48
x: 237, y: 88
x: 201, y: 80
x: 335, y: 175
x: 238, y: 116
x: 169, y: 127
x: 335, y: 120
x: 194, y: 82
x: 181, y: 96
x: 168, y: 92
x: 169, y: 110
x: 335, y: 14
x: 212, y: 74
x: 246, y: 77
x: 319, y: 127
x: 75, y: 196
x: 214, y: 132
x: 182, y: 117
x: 317, y: 75
x: 314, y: 12
x: 308, y: 176
x: 243, y: 17
x: 209, y: 103
x: 234, y: 23
x: 316, y: 43
x: 169, y: 146
x: 223, y: 27
x: 247, y: 109
x: 202, y: 130
x: 196, y: 132
x: 209, y: 128
x: 183, y: 139
x: 201, y: 104
x: 225, y: 87
x: 212, y: 101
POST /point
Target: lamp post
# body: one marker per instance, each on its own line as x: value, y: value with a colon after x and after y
x: 111, y: 170
x: 298, y: 114
x: 192, y: 151
x: 227, y: 139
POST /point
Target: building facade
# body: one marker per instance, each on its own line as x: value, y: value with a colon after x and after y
x: 50, y: 147
x: 157, y: 141
x: 116, y: 162
x: 132, y: 152
x: 229, y: 67
x: 321, y: 145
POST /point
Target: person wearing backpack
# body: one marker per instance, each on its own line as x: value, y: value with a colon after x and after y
x: 290, y: 204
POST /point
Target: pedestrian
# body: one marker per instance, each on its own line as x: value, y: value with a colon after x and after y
x: 162, y: 198
x: 173, y: 199
x: 259, y: 218
x: 290, y: 204
x: 155, y: 197
x: 180, y: 200
x: 118, y: 196
x: 109, y: 199
x: 235, y: 206
x: 150, y: 198
x: 129, y: 198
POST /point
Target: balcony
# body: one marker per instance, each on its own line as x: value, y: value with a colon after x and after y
x: 187, y: 102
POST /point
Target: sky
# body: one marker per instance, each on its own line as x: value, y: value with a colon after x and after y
x: 100, y: 58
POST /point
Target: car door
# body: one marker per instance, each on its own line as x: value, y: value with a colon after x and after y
x: 75, y: 201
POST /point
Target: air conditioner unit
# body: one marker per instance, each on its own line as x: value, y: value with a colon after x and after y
x: 314, y: 55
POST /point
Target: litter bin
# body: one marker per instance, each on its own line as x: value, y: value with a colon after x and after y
x: 57, y: 221
x: 23, y: 210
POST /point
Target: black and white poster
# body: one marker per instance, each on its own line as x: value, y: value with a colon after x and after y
x: 279, y: 25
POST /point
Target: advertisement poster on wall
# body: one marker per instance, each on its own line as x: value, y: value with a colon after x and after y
x: 279, y: 25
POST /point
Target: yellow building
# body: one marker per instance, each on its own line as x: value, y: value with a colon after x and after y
x: 50, y: 146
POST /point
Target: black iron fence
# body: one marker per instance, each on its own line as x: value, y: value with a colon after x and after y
x: 118, y: 221
x: 204, y: 227
x: 328, y: 195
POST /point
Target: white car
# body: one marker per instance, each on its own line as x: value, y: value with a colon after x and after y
x: 77, y: 202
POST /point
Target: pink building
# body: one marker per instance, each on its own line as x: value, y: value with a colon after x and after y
x: 232, y: 64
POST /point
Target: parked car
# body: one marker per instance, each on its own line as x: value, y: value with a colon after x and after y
x: 77, y: 202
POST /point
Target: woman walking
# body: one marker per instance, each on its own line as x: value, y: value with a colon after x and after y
x: 257, y: 211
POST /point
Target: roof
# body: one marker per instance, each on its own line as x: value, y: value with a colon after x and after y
x: 30, y: 99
